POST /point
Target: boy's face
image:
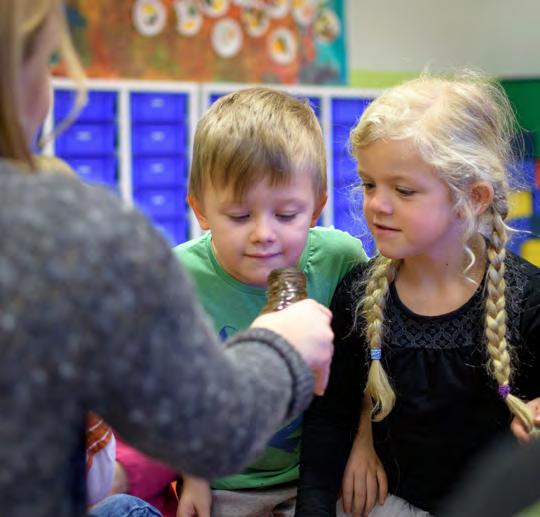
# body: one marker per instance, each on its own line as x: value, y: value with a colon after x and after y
x: 266, y: 230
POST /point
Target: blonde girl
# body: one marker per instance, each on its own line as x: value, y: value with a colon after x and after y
x: 96, y: 315
x: 446, y: 317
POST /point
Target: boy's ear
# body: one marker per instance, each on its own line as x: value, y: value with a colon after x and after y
x: 197, y: 208
x: 481, y: 193
x: 318, y: 208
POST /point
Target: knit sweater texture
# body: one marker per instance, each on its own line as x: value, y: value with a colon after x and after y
x: 97, y: 315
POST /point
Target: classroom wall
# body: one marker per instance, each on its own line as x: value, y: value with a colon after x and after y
x: 391, y: 39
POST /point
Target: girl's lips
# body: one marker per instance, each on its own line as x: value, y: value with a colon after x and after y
x: 385, y: 228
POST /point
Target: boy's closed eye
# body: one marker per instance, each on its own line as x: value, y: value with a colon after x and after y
x: 238, y: 218
x: 286, y: 216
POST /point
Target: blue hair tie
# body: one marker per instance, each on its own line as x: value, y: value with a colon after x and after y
x: 376, y: 354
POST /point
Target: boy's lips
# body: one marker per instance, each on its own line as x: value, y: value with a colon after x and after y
x: 262, y: 256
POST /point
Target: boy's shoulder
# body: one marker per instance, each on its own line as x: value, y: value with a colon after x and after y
x: 195, y: 246
x: 331, y: 240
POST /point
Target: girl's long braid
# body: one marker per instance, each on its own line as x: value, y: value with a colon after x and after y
x: 378, y: 386
x: 495, y: 329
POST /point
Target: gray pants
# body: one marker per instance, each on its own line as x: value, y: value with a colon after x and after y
x: 268, y: 502
x: 393, y: 507
x: 279, y: 502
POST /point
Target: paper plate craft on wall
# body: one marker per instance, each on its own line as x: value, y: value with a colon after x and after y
x: 226, y: 37
x: 188, y: 17
x: 149, y: 17
x: 255, y: 21
x: 282, y: 46
x: 215, y: 8
x: 304, y: 11
x: 276, y: 8
x: 326, y: 26
x: 246, y: 3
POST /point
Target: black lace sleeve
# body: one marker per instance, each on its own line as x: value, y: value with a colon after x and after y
x: 529, y: 330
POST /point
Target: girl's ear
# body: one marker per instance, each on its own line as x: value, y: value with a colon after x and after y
x: 198, y: 210
x: 318, y: 208
x: 481, y: 193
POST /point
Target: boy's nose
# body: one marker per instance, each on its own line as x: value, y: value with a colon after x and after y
x: 263, y: 231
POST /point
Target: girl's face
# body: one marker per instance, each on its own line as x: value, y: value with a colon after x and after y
x: 34, y: 80
x: 407, y: 206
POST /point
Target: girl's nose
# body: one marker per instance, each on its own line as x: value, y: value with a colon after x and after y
x: 378, y: 202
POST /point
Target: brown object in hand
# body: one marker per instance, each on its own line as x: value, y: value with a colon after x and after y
x: 285, y: 286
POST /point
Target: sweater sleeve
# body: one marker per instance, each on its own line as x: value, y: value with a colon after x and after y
x: 155, y: 370
x: 331, y: 421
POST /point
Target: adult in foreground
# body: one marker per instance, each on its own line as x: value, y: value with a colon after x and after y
x: 96, y: 315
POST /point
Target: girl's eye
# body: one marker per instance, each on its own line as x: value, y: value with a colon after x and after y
x: 286, y: 217
x: 406, y: 192
x: 367, y: 185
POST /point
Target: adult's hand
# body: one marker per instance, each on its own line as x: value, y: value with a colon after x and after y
x: 306, y: 326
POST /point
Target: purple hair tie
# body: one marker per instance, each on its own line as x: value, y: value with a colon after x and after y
x: 504, y: 390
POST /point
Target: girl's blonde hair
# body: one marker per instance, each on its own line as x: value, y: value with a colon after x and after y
x: 254, y: 134
x: 463, y: 127
x: 21, y: 24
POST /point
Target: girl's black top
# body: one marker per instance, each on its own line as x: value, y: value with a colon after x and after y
x: 447, y: 407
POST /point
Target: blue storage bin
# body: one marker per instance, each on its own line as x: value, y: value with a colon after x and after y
x: 158, y: 139
x: 101, y: 106
x: 101, y: 169
x: 340, y: 138
x: 528, y: 171
x: 158, y: 107
x: 345, y: 169
x: 161, y: 203
x: 87, y: 140
x: 523, y: 227
x: 159, y: 171
x: 174, y: 230
x: 316, y: 105
x: 348, y: 217
x: 215, y: 96
x: 348, y: 110
x: 536, y: 200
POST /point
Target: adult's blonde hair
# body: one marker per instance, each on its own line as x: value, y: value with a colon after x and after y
x: 463, y: 127
x: 21, y: 24
x: 254, y: 134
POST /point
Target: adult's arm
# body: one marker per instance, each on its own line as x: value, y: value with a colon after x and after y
x: 151, y: 364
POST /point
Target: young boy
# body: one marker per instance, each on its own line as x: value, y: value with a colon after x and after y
x: 258, y: 184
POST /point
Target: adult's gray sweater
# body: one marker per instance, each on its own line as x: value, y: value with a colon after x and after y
x: 96, y: 314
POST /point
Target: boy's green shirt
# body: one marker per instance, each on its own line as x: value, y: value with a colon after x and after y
x: 328, y: 255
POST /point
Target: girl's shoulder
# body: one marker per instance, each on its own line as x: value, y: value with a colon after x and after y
x: 351, y: 288
x: 522, y: 277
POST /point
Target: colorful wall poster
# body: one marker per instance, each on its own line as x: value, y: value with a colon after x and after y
x: 269, y: 41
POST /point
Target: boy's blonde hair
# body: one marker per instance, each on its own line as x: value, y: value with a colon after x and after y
x: 21, y: 24
x: 254, y: 134
x: 463, y: 127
